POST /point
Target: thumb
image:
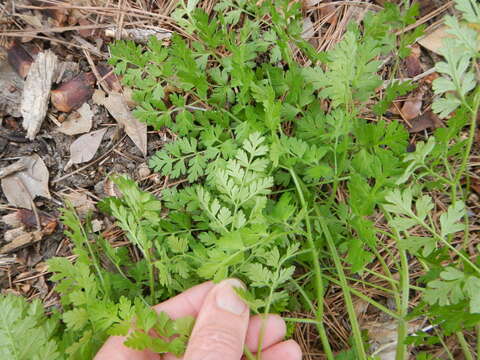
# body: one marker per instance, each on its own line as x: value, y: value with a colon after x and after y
x: 221, y: 326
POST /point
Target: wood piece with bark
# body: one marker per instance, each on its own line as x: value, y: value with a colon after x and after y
x: 74, y: 93
x: 19, y: 59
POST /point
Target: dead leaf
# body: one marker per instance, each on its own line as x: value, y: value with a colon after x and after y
x: 78, y: 122
x: 82, y: 203
x: 118, y: 108
x: 42, y: 287
x: 412, y: 63
x: 11, y: 234
x: 33, y: 20
x: 143, y: 171
x: 36, y: 92
x: 22, y: 187
x: 308, y: 30
x: 139, y: 35
x: 22, y: 221
x: 413, y: 105
x: 85, y: 147
x: 425, y: 121
x: 34, y: 23
x: 97, y: 225
x: 86, y: 32
x: 27, y: 219
x: 434, y: 40
x: 109, y: 187
x: 430, y: 78
x: 329, y: 14
x: 12, y: 168
x: 311, y: 3
x: 65, y: 71
x: 110, y: 79
x: 383, y: 337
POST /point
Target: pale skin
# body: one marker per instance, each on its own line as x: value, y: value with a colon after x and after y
x: 222, y: 329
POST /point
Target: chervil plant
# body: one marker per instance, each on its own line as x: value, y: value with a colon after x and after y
x: 25, y: 331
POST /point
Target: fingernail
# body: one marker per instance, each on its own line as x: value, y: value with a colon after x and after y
x: 227, y: 298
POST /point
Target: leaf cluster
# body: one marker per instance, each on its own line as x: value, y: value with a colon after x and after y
x: 25, y: 331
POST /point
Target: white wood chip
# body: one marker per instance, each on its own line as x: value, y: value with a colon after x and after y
x: 37, y: 92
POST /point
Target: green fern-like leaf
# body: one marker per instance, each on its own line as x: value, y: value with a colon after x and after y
x: 25, y: 331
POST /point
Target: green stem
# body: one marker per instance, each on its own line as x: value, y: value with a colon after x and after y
x: 445, y: 347
x: 267, y: 311
x: 403, y: 325
x: 305, y: 296
x: 471, y: 137
x: 478, y: 341
x: 317, y: 271
x: 301, y: 320
x: 463, y: 166
x: 402, y: 332
x: 464, y: 345
x: 357, y: 335
x: 151, y: 276
x: 90, y: 250
x: 248, y: 354
x: 445, y: 242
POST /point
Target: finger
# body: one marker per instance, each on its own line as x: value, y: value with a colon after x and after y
x: 221, y: 326
x: 113, y: 349
x: 273, y: 328
x: 187, y: 303
x: 287, y: 350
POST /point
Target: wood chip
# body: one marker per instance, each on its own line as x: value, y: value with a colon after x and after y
x: 37, y: 92
x: 22, y: 240
x: 19, y: 59
x: 74, y: 93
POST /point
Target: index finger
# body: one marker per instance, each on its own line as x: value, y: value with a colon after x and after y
x: 187, y: 303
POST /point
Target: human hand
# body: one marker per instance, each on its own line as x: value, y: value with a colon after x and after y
x: 222, y: 329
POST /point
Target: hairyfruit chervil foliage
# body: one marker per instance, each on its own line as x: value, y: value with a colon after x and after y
x: 265, y: 146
